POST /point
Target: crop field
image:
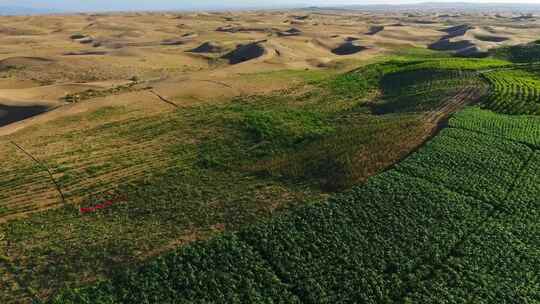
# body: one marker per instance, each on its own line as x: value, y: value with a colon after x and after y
x: 522, y: 53
x: 523, y: 129
x: 375, y: 184
x: 513, y: 92
x: 460, y: 160
x: 426, y: 231
x: 483, y: 268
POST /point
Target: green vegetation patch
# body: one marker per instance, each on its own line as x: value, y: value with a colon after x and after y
x: 423, y: 89
x: 284, y: 127
x: 522, y: 53
x: 361, y: 82
x: 469, y: 163
x: 223, y: 270
x: 524, y: 129
x: 499, y: 263
x: 470, y: 64
x: 513, y: 92
x: 362, y: 245
x: 411, y: 85
x: 349, y: 155
x: 526, y: 193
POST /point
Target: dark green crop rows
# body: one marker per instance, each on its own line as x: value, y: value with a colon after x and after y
x: 366, y: 245
x: 518, y: 53
x: 475, y: 164
x: 500, y: 263
x: 513, y: 92
x: 524, y: 129
x: 526, y: 193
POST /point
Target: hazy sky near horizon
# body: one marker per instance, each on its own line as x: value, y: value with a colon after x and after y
x: 86, y: 5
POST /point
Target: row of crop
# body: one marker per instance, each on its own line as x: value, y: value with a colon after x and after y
x: 526, y: 193
x: 358, y: 83
x: 467, y: 162
x: 513, y: 92
x: 524, y: 129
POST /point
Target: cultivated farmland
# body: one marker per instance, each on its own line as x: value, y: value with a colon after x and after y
x: 398, y: 238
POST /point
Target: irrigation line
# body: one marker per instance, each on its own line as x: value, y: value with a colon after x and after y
x: 163, y: 99
x: 42, y: 165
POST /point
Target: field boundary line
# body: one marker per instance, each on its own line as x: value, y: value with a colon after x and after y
x: 165, y: 100
x: 464, y: 193
x: 529, y: 145
x: 272, y: 268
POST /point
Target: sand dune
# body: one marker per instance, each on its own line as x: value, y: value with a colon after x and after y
x: 290, y: 32
x: 86, y: 53
x: 449, y: 45
x: 490, y: 38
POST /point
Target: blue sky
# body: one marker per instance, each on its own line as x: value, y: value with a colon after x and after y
x: 86, y: 5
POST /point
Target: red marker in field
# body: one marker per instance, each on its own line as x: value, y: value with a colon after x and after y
x: 104, y: 205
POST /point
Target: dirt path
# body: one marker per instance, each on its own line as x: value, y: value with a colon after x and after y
x: 455, y: 103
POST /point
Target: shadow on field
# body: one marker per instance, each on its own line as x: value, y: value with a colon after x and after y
x: 11, y: 114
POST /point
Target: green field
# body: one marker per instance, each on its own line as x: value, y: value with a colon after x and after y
x: 513, y: 92
x: 448, y: 223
